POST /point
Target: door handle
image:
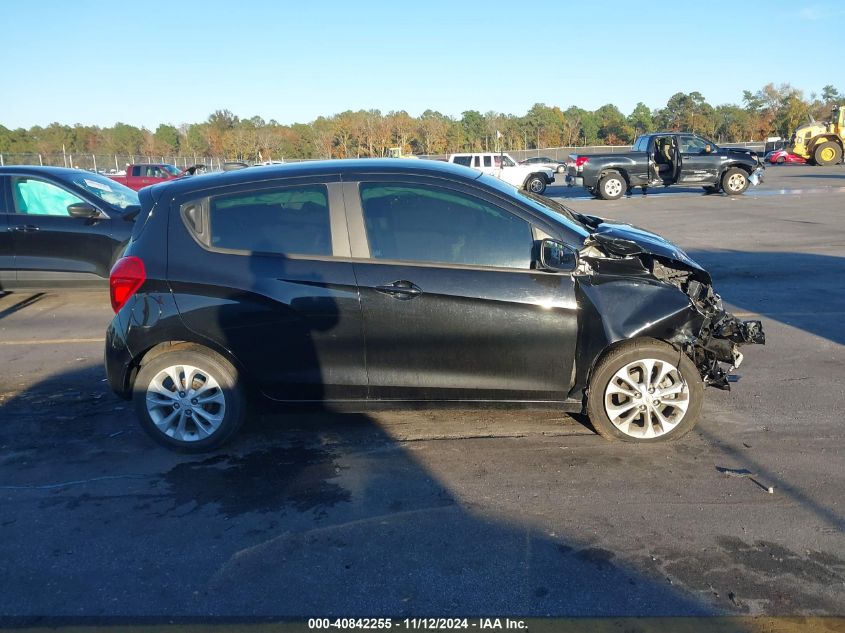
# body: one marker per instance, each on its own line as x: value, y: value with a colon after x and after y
x: 401, y: 290
x: 26, y: 228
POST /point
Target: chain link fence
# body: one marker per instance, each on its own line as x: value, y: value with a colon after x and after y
x: 108, y: 163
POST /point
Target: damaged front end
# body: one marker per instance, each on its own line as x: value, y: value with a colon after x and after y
x: 697, y: 325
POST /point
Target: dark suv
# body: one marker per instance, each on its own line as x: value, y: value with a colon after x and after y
x: 400, y: 282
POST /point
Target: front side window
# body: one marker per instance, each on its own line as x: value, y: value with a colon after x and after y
x: 507, y: 162
x: 39, y: 197
x: 692, y: 144
x: 422, y: 223
x: 289, y: 220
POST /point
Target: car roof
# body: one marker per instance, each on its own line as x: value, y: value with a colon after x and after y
x: 397, y: 166
x: 39, y: 169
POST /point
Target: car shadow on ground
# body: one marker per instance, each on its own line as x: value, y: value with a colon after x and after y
x: 836, y: 176
x: 307, y: 514
x: 579, y: 193
x: 804, y: 290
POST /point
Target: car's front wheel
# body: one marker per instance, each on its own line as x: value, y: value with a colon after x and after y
x: 644, y: 390
x: 189, y: 399
x: 734, y: 181
x: 536, y: 184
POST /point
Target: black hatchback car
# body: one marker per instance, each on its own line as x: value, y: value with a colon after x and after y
x: 403, y: 282
x: 61, y: 226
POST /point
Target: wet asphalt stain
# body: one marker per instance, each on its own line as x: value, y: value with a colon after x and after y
x: 270, y: 480
x: 762, y: 575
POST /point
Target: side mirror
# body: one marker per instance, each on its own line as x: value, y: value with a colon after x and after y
x: 557, y: 257
x: 82, y: 210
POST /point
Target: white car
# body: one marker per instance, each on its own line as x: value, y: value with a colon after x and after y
x: 529, y: 177
x: 558, y: 166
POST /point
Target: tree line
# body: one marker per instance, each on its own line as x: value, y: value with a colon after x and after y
x: 770, y: 111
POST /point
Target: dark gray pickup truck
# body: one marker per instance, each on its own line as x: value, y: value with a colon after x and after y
x: 663, y: 159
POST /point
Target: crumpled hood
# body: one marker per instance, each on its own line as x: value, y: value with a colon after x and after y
x: 625, y: 240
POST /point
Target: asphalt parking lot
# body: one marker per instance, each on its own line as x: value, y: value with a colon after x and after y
x: 470, y: 512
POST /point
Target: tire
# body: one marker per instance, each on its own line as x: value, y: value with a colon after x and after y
x: 679, y: 410
x: 780, y: 160
x: 560, y: 169
x: 535, y: 184
x: 163, y: 410
x: 612, y: 186
x: 734, y: 181
x: 828, y: 153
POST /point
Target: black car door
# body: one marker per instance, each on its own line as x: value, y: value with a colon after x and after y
x: 7, y: 255
x: 698, y: 165
x: 49, y: 244
x: 452, y: 309
x: 263, y: 270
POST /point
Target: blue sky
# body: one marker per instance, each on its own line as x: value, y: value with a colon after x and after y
x: 99, y: 62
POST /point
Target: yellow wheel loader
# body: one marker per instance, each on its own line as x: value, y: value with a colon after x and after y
x: 821, y: 143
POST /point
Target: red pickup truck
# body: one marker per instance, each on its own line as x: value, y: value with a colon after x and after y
x: 146, y: 174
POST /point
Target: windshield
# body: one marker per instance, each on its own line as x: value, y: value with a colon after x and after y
x: 551, y: 209
x: 173, y: 170
x: 107, y: 190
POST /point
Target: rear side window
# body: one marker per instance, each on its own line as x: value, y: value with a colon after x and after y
x: 290, y: 220
x: 425, y: 223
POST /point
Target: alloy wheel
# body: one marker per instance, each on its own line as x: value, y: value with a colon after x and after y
x: 646, y: 398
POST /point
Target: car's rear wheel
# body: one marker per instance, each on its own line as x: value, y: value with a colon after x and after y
x: 536, y: 184
x: 612, y: 186
x: 644, y: 390
x: 734, y: 181
x: 190, y: 399
x: 780, y: 160
x: 828, y: 153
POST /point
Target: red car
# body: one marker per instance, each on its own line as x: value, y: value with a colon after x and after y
x: 781, y: 156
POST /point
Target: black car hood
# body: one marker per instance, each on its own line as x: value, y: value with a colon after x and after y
x: 625, y: 240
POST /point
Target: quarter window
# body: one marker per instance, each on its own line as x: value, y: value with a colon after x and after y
x: 292, y: 220
x: 39, y: 197
x: 422, y: 223
x: 466, y: 161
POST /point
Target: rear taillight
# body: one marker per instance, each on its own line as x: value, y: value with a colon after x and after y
x: 581, y: 160
x: 126, y: 277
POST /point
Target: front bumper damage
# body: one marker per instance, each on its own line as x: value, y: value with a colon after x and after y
x: 695, y: 322
x: 721, y: 334
x: 714, y: 347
